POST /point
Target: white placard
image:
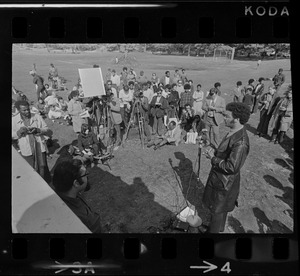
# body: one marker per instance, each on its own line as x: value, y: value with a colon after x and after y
x: 92, y: 82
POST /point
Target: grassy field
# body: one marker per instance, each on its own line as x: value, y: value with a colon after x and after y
x: 142, y: 188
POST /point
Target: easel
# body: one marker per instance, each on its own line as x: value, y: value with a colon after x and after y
x: 136, y: 109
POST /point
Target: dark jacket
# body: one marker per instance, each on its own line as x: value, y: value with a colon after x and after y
x: 158, y: 111
x: 223, y: 184
x: 85, y: 141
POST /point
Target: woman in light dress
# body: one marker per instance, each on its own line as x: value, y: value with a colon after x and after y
x: 198, y: 96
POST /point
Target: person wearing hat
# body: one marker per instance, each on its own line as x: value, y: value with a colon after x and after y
x: 114, y: 78
x: 39, y: 83
x: 70, y: 180
x: 185, y: 97
x: 223, y: 184
x: 278, y: 79
x: 257, y: 92
x: 214, y: 107
x: 282, y: 117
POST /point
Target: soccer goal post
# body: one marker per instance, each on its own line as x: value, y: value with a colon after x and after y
x: 224, y: 53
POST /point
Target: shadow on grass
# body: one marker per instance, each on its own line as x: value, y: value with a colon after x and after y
x: 236, y: 226
x: 287, y: 164
x: 124, y: 208
x: 288, y: 193
x: 269, y: 226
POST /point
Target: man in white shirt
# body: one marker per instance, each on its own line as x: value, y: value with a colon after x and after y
x: 148, y: 92
x: 126, y: 98
x: 180, y: 87
x: 115, y: 79
x: 166, y: 79
x: 29, y: 129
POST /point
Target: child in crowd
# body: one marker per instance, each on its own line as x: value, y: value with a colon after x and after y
x: 62, y: 105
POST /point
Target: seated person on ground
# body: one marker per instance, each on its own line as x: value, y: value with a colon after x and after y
x: 197, y: 126
x: 87, y: 141
x: 62, y: 104
x: 70, y: 179
x: 41, y: 106
x: 52, y: 99
x: 172, y: 136
x: 54, y: 112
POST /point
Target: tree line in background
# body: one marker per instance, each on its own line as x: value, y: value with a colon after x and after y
x: 203, y: 50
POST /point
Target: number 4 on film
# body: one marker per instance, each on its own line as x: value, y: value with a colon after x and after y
x: 209, y: 267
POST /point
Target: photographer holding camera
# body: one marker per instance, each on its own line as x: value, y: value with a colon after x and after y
x: 29, y: 129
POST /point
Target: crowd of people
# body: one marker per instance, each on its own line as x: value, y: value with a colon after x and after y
x: 173, y: 109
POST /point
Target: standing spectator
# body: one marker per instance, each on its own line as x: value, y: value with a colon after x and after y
x: 249, y: 98
x: 282, y: 117
x: 278, y: 79
x: 191, y: 83
x: 115, y: 79
x: 30, y: 130
x: 154, y: 79
x: 144, y: 111
x: 257, y: 92
x: 214, y: 106
x: 74, y: 110
x: 126, y: 98
x: 109, y: 85
x: 238, y: 93
x: 131, y: 75
x: 173, y: 100
x: 115, y: 109
x: 142, y: 78
x: 148, y: 92
x: 250, y: 84
x: 186, y: 97
x: 258, y: 63
x: 223, y: 183
x: 39, y: 83
x: 198, y: 97
x: 53, y: 77
x: 217, y: 86
x: 124, y: 74
x: 166, y: 79
x: 108, y: 74
x: 158, y: 107
x: 180, y: 87
x: 269, y: 101
x: 70, y: 179
x: 176, y: 77
x: 184, y: 76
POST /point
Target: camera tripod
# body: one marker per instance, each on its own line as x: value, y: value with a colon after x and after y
x: 136, y: 110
